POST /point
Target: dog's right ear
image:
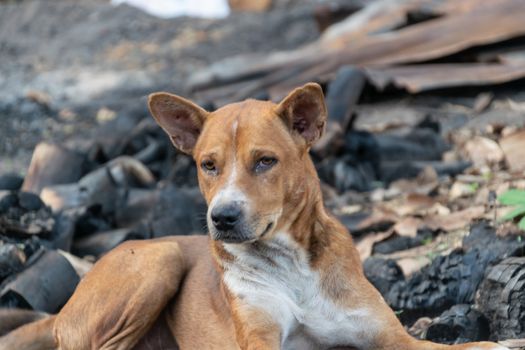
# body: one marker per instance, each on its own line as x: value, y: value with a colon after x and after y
x: 181, y: 119
x: 304, y: 112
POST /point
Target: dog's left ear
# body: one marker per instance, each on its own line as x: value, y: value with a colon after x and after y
x: 180, y: 118
x: 304, y: 112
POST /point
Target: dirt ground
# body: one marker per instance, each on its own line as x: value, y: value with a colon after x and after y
x: 75, y: 58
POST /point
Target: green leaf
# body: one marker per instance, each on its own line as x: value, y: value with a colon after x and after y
x: 513, y: 214
x: 473, y: 187
x: 521, y: 224
x: 513, y: 197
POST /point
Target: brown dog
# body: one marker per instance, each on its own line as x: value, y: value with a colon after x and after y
x: 277, y: 271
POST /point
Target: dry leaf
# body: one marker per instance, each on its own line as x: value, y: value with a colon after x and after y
x: 408, y: 226
x: 513, y: 147
x: 420, y: 327
x: 410, y: 265
x: 365, y: 245
x: 456, y: 220
x: 460, y: 189
x: 378, y: 217
x: 426, y: 182
x: 414, y: 203
x: 483, y: 151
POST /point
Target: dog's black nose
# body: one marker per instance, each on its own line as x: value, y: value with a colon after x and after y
x: 225, y: 217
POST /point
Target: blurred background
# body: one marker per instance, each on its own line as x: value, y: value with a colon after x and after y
x: 76, y: 58
x: 422, y: 160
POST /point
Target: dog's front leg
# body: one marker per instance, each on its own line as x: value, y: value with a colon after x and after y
x: 123, y: 295
x: 385, y: 332
x: 255, y: 329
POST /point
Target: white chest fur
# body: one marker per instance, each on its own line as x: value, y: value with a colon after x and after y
x: 276, y: 277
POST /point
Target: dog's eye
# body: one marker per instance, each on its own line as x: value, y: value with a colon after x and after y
x: 264, y: 164
x: 208, y: 166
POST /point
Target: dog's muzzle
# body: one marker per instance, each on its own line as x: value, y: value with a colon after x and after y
x: 227, y: 223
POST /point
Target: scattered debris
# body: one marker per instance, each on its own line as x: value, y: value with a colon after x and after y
x: 46, y: 286
x: 460, y: 324
x: 502, y: 298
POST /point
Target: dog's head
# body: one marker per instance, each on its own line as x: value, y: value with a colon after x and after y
x: 252, y: 157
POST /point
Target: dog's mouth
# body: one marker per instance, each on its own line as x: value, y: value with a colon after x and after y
x: 232, y: 239
x: 235, y: 237
x: 266, y: 230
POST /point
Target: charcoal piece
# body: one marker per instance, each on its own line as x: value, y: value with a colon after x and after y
x: 12, y: 260
x: 105, y: 186
x: 11, y: 182
x: 357, y: 168
x: 11, y: 319
x: 146, y: 142
x: 12, y: 299
x: 137, y: 205
x: 45, y: 285
x: 100, y: 243
x: 90, y: 220
x: 460, y: 324
x: 113, y: 136
x: 482, y: 235
x: 23, y: 214
x: 62, y: 234
x: 179, y: 211
x: 330, y: 144
x: 345, y: 174
x: 52, y: 165
x: 183, y: 172
x: 396, y: 243
x: 447, y: 281
x: 418, y: 144
x: 446, y: 169
x: 7, y: 201
x: 430, y: 122
x: 343, y: 94
x: 153, y: 151
x: 29, y: 201
x: 81, y: 266
x: 31, y: 247
x: 452, y: 279
x: 361, y: 147
x: 502, y: 298
x: 163, y: 168
x: 382, y: 273
x: 353, y: 221
x: 350, y: 176
x: 394, y: 170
